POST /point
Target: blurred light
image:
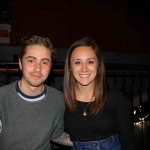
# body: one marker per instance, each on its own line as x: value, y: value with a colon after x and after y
x: 134, y: 112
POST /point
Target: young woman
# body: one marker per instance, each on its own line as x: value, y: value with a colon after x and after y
x: 97, y: 115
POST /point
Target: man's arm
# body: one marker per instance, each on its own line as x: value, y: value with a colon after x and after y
x: 64, y: 139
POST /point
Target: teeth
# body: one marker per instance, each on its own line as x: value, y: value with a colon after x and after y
x: 84, y: 76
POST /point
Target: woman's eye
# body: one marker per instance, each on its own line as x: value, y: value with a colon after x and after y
x: 77, y: 62
x: 91, y: 62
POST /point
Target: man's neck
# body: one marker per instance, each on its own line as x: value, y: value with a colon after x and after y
x: 30, y: 90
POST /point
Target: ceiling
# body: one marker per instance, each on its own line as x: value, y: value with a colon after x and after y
x: 142, y: 6
x: 5, y: 11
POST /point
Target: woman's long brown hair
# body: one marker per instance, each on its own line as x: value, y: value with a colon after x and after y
x: 100, y: 87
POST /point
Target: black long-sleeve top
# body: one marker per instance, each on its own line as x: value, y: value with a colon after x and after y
x: 114, y: 117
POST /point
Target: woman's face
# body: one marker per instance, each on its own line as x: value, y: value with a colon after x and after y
x: 83, y: 64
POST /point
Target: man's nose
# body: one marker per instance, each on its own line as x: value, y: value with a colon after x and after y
x: 37, y: 67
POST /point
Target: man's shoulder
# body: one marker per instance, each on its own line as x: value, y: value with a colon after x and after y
x: 53, y: 91
x: 55, y: 95
x: 8, y: 86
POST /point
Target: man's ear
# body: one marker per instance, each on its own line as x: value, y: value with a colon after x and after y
x: 20, y: 64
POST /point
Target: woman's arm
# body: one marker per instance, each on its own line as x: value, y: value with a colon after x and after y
x: 64, y: 139
x: 124, y: 122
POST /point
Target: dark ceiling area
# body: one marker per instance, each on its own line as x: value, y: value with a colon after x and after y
x: 123, y: 24
x: 5, y: 11
x: 142, y: 6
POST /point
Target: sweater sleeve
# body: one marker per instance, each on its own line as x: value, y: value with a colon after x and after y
x: 124, y: 122
x: 59, y: 129
x: 0, y: 120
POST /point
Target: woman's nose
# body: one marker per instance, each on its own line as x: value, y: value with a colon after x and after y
x: 84, y: 67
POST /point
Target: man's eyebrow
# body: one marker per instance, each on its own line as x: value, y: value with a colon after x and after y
x: 31, y: 57
x: 46, y: 59
x: 41, y: 59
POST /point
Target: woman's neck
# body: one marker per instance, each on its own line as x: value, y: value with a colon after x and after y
x: 84, y: 93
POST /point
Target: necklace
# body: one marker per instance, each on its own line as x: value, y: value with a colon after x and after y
x: 84, y: 107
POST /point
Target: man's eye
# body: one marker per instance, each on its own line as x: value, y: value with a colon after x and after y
x: 45, y: 63
x: 30, y: 61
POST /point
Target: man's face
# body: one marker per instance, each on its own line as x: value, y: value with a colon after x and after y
x: 35, y: 65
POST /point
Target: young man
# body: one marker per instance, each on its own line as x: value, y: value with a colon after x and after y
x: 31, y: 112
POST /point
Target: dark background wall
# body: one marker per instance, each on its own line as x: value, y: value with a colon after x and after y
x: 114, y: 24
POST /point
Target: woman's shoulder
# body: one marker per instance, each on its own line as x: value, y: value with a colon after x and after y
x: 114, y: 89
x: 115, y: 92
